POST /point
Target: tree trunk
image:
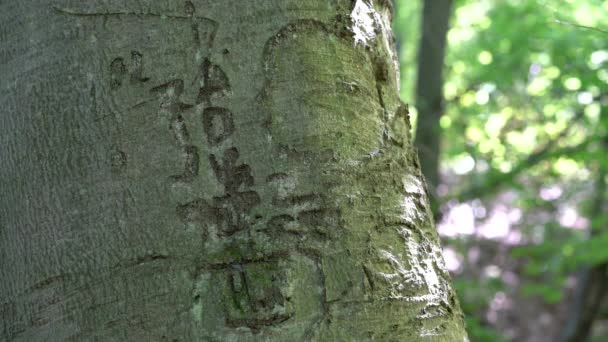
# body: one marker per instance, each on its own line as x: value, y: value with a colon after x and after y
x: 592, y: 282
x: 429, y: 90
x: 211, y: 171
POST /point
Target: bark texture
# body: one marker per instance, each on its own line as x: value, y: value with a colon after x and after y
x: 211, y: 171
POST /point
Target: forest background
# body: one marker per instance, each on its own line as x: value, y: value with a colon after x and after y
x: 518, y: 176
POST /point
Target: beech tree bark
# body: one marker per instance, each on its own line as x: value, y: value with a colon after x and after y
x: 211, y: 171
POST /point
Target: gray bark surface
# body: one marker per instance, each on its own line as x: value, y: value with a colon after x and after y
x: 211, y: 171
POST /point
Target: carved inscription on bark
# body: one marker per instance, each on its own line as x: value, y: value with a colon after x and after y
x: 171, y: 102
x: 229, y: 212
x: 257, y: 286
x: 253, y: 296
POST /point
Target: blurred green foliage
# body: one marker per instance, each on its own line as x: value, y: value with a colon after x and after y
x: 526, y: 96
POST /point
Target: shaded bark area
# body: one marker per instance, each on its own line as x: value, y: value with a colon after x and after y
x: 212, y: 171
x: 429, y: 88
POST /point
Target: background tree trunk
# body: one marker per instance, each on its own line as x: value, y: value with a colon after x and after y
x: 592, y: 281
x: 211, y: 171
x: 429, y: 90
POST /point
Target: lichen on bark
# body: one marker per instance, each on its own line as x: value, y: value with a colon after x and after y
x: 248, y: 175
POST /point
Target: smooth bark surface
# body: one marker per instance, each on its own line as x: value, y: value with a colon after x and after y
x: 211, y: 171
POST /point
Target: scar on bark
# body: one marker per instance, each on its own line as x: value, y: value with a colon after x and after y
x: 118, y: 160
x: 137, y: 64
x: 215, y: 82
x: 108, y: 13
x: 188, y: 16
x: 118, y: 70
x: 191, y: 165
x: 218, y: 124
